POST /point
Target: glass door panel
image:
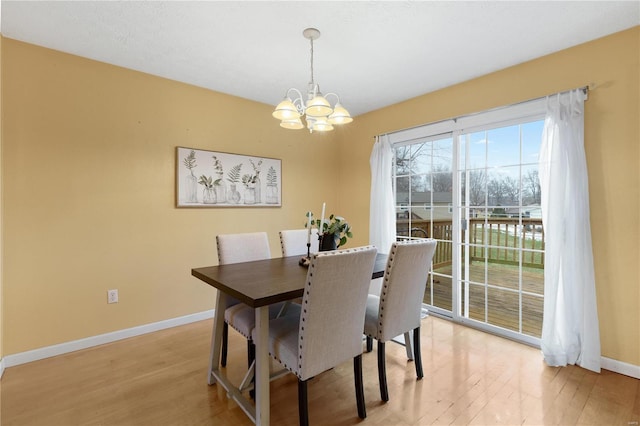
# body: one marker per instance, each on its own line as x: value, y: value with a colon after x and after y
x: 532, y: 314
x: 501, y: 272
x: 476, y: 301
x: 503, y: 308
x: 438, y: 292
x: 424, y: 200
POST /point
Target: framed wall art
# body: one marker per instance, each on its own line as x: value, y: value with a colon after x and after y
x: 220, y: 179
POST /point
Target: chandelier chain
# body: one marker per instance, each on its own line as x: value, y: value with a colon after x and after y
x: 311, y: 39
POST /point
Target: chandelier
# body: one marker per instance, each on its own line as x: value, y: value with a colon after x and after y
x: 318, y: 112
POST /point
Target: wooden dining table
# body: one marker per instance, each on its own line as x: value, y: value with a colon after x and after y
x: 257, y: 284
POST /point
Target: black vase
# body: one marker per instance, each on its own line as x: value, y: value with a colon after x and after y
x: 327, y: 242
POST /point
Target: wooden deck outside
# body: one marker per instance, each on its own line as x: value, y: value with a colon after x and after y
x: 502, y: 300
x: 499, y: 240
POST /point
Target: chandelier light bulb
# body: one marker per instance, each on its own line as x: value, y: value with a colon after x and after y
x: 318, y: 107
x: 340, y: 115
x: 321, y: 125
x: 286, y: 110
x: 293, y: 124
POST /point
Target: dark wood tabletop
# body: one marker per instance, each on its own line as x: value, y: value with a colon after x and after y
x: 264, y: 282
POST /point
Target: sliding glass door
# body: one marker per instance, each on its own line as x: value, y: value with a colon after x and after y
x: 476, y: 191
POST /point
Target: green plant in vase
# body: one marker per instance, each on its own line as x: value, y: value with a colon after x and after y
x: 334, y: 231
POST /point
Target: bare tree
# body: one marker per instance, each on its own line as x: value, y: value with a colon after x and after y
x: 406, y: 164
x: 503, y: 191
x: 442, y: 179
x: 422, y: 167
x: 511, y: 190
x: 476, y: 187
x: 531, y: 187
x: 407, y: 158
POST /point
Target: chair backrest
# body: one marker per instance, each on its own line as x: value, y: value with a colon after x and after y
x: 333, y: 308
x: 403, y: 287
x: 294, y: 242
x: 235, y: 248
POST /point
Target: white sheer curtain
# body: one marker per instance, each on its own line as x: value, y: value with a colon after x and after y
x: 570, y: 332
x: 382, y: 223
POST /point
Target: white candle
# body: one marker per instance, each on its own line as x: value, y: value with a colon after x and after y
x: 321, y: 219
x: 309, y: 226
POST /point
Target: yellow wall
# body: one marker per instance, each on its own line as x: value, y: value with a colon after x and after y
x: 89, y: 178
x: 612, y: 136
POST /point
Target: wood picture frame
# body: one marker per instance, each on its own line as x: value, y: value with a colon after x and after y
x: 220, y: 179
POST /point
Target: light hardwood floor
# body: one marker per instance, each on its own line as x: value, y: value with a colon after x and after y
x: 470, y: 378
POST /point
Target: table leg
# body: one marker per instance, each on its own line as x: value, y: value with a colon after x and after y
x: 262, y: 365
x: 408, y: 344
x: 216, y: 335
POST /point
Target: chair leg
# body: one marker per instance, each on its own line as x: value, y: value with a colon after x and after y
x: 417, y: 353
x: 225, y: 340
x: 357, y: 375
x: 382, y: 373
x: 369, y: 344
x: 303, y: 410
x: 408, y: 345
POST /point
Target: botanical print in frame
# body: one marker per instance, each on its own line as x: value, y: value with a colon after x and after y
x: 220, y: 179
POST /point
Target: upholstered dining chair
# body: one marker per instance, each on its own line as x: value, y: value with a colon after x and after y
x: 294, y: 242
x: 397, y: 309
x: 235, y: 248
x: 328, y: 330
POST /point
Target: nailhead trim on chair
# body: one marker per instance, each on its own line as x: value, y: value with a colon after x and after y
x: 304, y: 311
x: 385, y: 287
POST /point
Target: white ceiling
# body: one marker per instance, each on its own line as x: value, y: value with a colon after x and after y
x: 371, y: 53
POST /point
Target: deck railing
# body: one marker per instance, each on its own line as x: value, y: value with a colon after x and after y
x: 493, y: 237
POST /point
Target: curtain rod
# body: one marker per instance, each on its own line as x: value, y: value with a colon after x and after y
x: 585, y: 89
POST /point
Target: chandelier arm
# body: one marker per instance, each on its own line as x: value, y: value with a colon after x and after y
x: 299, y: 101
x: 334, y: 94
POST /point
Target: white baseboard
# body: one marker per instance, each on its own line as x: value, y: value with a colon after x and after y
x: 620, y: 367
x: 63, y: 348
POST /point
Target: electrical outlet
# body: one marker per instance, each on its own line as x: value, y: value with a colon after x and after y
x: 112, y: 296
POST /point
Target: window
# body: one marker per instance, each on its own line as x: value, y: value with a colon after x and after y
x: 472, y: 184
